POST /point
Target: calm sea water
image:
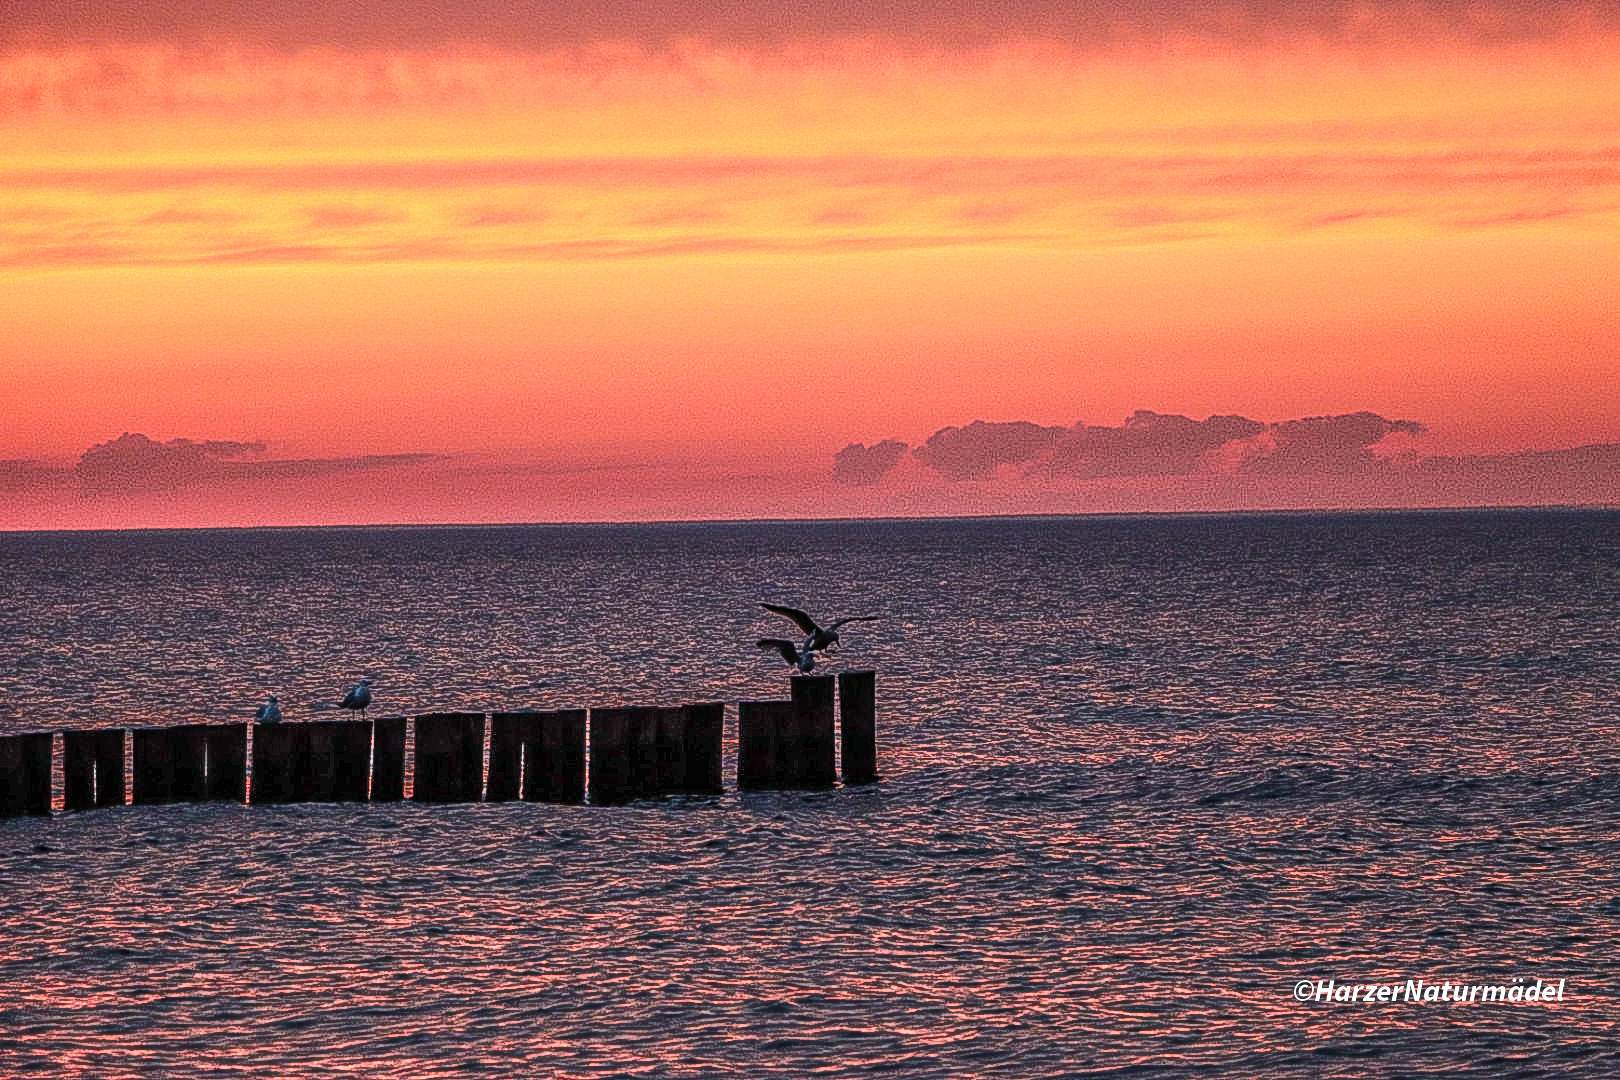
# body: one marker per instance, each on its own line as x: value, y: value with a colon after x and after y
x: 1142, y: 775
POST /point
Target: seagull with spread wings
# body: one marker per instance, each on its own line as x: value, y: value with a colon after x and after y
x: 805, y: 661
x: 818, y: 638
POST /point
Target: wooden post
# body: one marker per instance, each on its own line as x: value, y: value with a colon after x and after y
x: 280, y: 763
x: 449, y: 758
x: 551, y: 749
x: 812, y: 760
x: 339, y: 760
x: 92, y: 769
x: 111, y: 789
x: 512, y: 738
x: 227, y: 762
x: 644, y: 751
x: 704, y: 727
x: 188, y: 763
x: 615, y: 772
x: 388, y: 759
x: 25, y: 775
x: 761, y: 725
x: 857, y: 708
x: 78, y: 770
x: 668, y: 772
x: 556, y: 759
x: 153, y: 766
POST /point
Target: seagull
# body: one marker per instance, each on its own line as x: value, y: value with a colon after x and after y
x: 359, y: 697
x: 819, y: 637
x: 269, y: 712
x: 804, y: 661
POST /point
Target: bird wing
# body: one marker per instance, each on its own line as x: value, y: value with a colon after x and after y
x: 264, y: 710
x: 800, y: 619
x: 789, y: 652
x: 854, y: 618
x: 351, y: 700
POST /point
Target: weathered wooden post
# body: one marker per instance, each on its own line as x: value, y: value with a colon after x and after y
x: 92, y: 769
x: 188, y: 763
x: 153, y: 766
x: 857, y: 709
x: 811, y: 761
x: 25, y: 775
x: 556, y: 761
x: 704, y: 727
x: 537, y: 756
x: 339, y: 761
x: 280, y: 763
x: 668, y: 772
x: 449, y: 758
x: 624, y: 754
x: 610, y: 756
x: 761, y: 725
x: 79, y: 769
x: 227, y: 762
x: 512, y: 738
x: 644, y: 774
x: 388, y: 759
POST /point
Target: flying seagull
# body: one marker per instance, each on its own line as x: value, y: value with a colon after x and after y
x: 269, y: 712
x: 818, y: 637
x: 359, y: 697
x: 804, y: 661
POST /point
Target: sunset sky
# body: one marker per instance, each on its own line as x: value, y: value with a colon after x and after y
x: 543, y: 261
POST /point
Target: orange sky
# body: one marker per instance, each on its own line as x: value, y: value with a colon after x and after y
x: 708, y: 252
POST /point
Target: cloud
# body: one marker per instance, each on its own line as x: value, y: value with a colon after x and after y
x: 1584, y: 474
x: 1166, y: 463
x: 502, y: 216
x: 30, y: 476
x: 612, y: 205
x: 355, y: 151
x: 859, y: 464
x: 975, y: 452
x: 291, y: 24
x: 1323, y: 445
x: 136, y: 464
x: 349, y: 217
x: 1147, y: 444
x: 1150, y: 444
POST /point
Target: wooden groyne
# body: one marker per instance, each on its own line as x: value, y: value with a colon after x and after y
x: 25, y: 774
x: 603, y: 756
x: 537, y: 757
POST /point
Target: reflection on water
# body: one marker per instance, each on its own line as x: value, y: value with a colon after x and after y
x: 1141, y: 776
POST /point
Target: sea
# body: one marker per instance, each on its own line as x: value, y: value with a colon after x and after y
x: 1162, y: 796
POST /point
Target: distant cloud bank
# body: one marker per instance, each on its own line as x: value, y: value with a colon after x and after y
x: 1151, y: 462
x: 134, y: 464
x: 1146, y: 444
x: 1156, y: 461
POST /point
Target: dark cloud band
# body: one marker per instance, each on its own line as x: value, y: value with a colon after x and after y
x: 551, y: 23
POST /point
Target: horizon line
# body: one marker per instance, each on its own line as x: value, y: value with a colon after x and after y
x: 1594, y: 507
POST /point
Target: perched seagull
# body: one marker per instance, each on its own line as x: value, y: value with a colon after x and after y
x: 359, y: 697
x: 819, y: 638
x: 804, y: 661
x: 269, y: 712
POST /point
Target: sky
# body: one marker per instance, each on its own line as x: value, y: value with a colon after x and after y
x: 321, y: 262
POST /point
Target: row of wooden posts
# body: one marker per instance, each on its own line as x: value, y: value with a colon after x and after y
x: 635, y: 753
